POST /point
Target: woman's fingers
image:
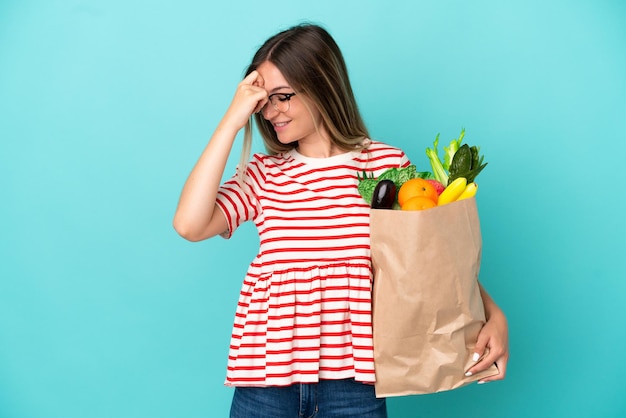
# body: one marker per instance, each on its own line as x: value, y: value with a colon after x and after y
x: 501, y: 364
x: 491, y: 348
x: 250, y: 97
x: 254, y: 78
x: 253, y: 87
x: 257, y: 80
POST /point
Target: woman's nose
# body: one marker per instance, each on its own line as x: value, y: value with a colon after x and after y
x: 268, y: 111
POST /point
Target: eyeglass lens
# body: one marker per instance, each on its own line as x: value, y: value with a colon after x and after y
x: 281, y: 102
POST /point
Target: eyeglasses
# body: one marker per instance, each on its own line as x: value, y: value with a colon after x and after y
x: 281, y: 101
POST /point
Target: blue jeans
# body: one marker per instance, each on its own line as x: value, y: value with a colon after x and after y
x: 327, y: 399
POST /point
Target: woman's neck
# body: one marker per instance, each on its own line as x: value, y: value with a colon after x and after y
x: 319, y: 149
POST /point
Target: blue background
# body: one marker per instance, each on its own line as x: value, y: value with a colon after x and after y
x: 106, y: 105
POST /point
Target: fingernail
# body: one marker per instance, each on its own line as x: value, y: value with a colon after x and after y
x: 468, y: 374
x: 481, y: 382
x: 475, y: 357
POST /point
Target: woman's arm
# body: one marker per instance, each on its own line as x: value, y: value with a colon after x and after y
x: 197, y: 216
x: 493, y: 336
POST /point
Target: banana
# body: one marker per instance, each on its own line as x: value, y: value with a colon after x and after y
x: 453, y: 191
x: 470, y: 191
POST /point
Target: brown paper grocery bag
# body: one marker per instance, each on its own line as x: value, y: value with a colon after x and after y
x: 427, y: 308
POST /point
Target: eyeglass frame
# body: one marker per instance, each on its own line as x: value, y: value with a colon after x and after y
x: 287, y: 98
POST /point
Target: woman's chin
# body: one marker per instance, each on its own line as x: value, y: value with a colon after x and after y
x: 286, y: 140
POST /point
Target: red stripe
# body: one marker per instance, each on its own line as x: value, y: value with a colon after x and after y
x: 323, y: 312
x: 280, y: 182
x: 321, y: 238
x: 302, y: 315
x: 304, y: 349
x: 324, y: 287
x: 308, y: 250
x: 365, y: 371
x: 314, y: 302
x: 301, y: 326
x: 261, y: 380
x: 303, y: 337
x: 306, y: 280
x: 353, y: 311
x: 320, y: 209
x: 253, y: 177
x: 327, y: 264
x: 321, y: 260
x: 320, y: 218
x: 381, y: 158
x: 317, y: 289
x: 320, y: 227
x: 292, y: 349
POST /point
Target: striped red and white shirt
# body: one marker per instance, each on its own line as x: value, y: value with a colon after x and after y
x: 304, y: 311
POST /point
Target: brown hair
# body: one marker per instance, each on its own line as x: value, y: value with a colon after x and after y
x: 312, y: 63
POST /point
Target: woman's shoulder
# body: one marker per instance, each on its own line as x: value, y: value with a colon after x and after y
x: 267, y: 162
x: 382, y: 149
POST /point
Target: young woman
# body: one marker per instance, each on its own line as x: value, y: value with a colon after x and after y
x: 302, y: 339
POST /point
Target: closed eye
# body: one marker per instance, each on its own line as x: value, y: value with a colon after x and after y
x: 283, y: 97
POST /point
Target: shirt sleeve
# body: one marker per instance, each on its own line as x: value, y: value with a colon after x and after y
x: 404, y: 160
x: 238, y: 199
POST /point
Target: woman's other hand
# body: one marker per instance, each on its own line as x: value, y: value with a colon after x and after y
x: 492, y: 345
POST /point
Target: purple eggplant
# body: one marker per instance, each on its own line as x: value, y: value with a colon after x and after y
x: 384, y: 195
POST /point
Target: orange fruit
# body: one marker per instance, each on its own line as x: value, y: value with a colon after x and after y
x: 418, y: 203
x: 417, y: 188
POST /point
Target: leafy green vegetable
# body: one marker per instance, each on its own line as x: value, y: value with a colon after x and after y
x: 467, y: 162
x: 367, y: 184
x: 477, y: 159
x: 438, y: 170
x: 399, y: 175
x: 443, y: 170
x: 365, y: 176
x: 366, y: 188
x: 461, y: 163
x: 451, y: 149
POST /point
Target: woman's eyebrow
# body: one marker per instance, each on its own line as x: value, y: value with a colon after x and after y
x: 275, y: 89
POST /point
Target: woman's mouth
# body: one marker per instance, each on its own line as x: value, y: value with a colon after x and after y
x: 279, y: 126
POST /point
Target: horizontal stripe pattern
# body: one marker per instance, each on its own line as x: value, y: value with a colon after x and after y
x: 304, y: 310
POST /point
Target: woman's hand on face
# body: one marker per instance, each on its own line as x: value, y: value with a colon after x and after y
x: 493, y: 336
x: 250, y: 97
